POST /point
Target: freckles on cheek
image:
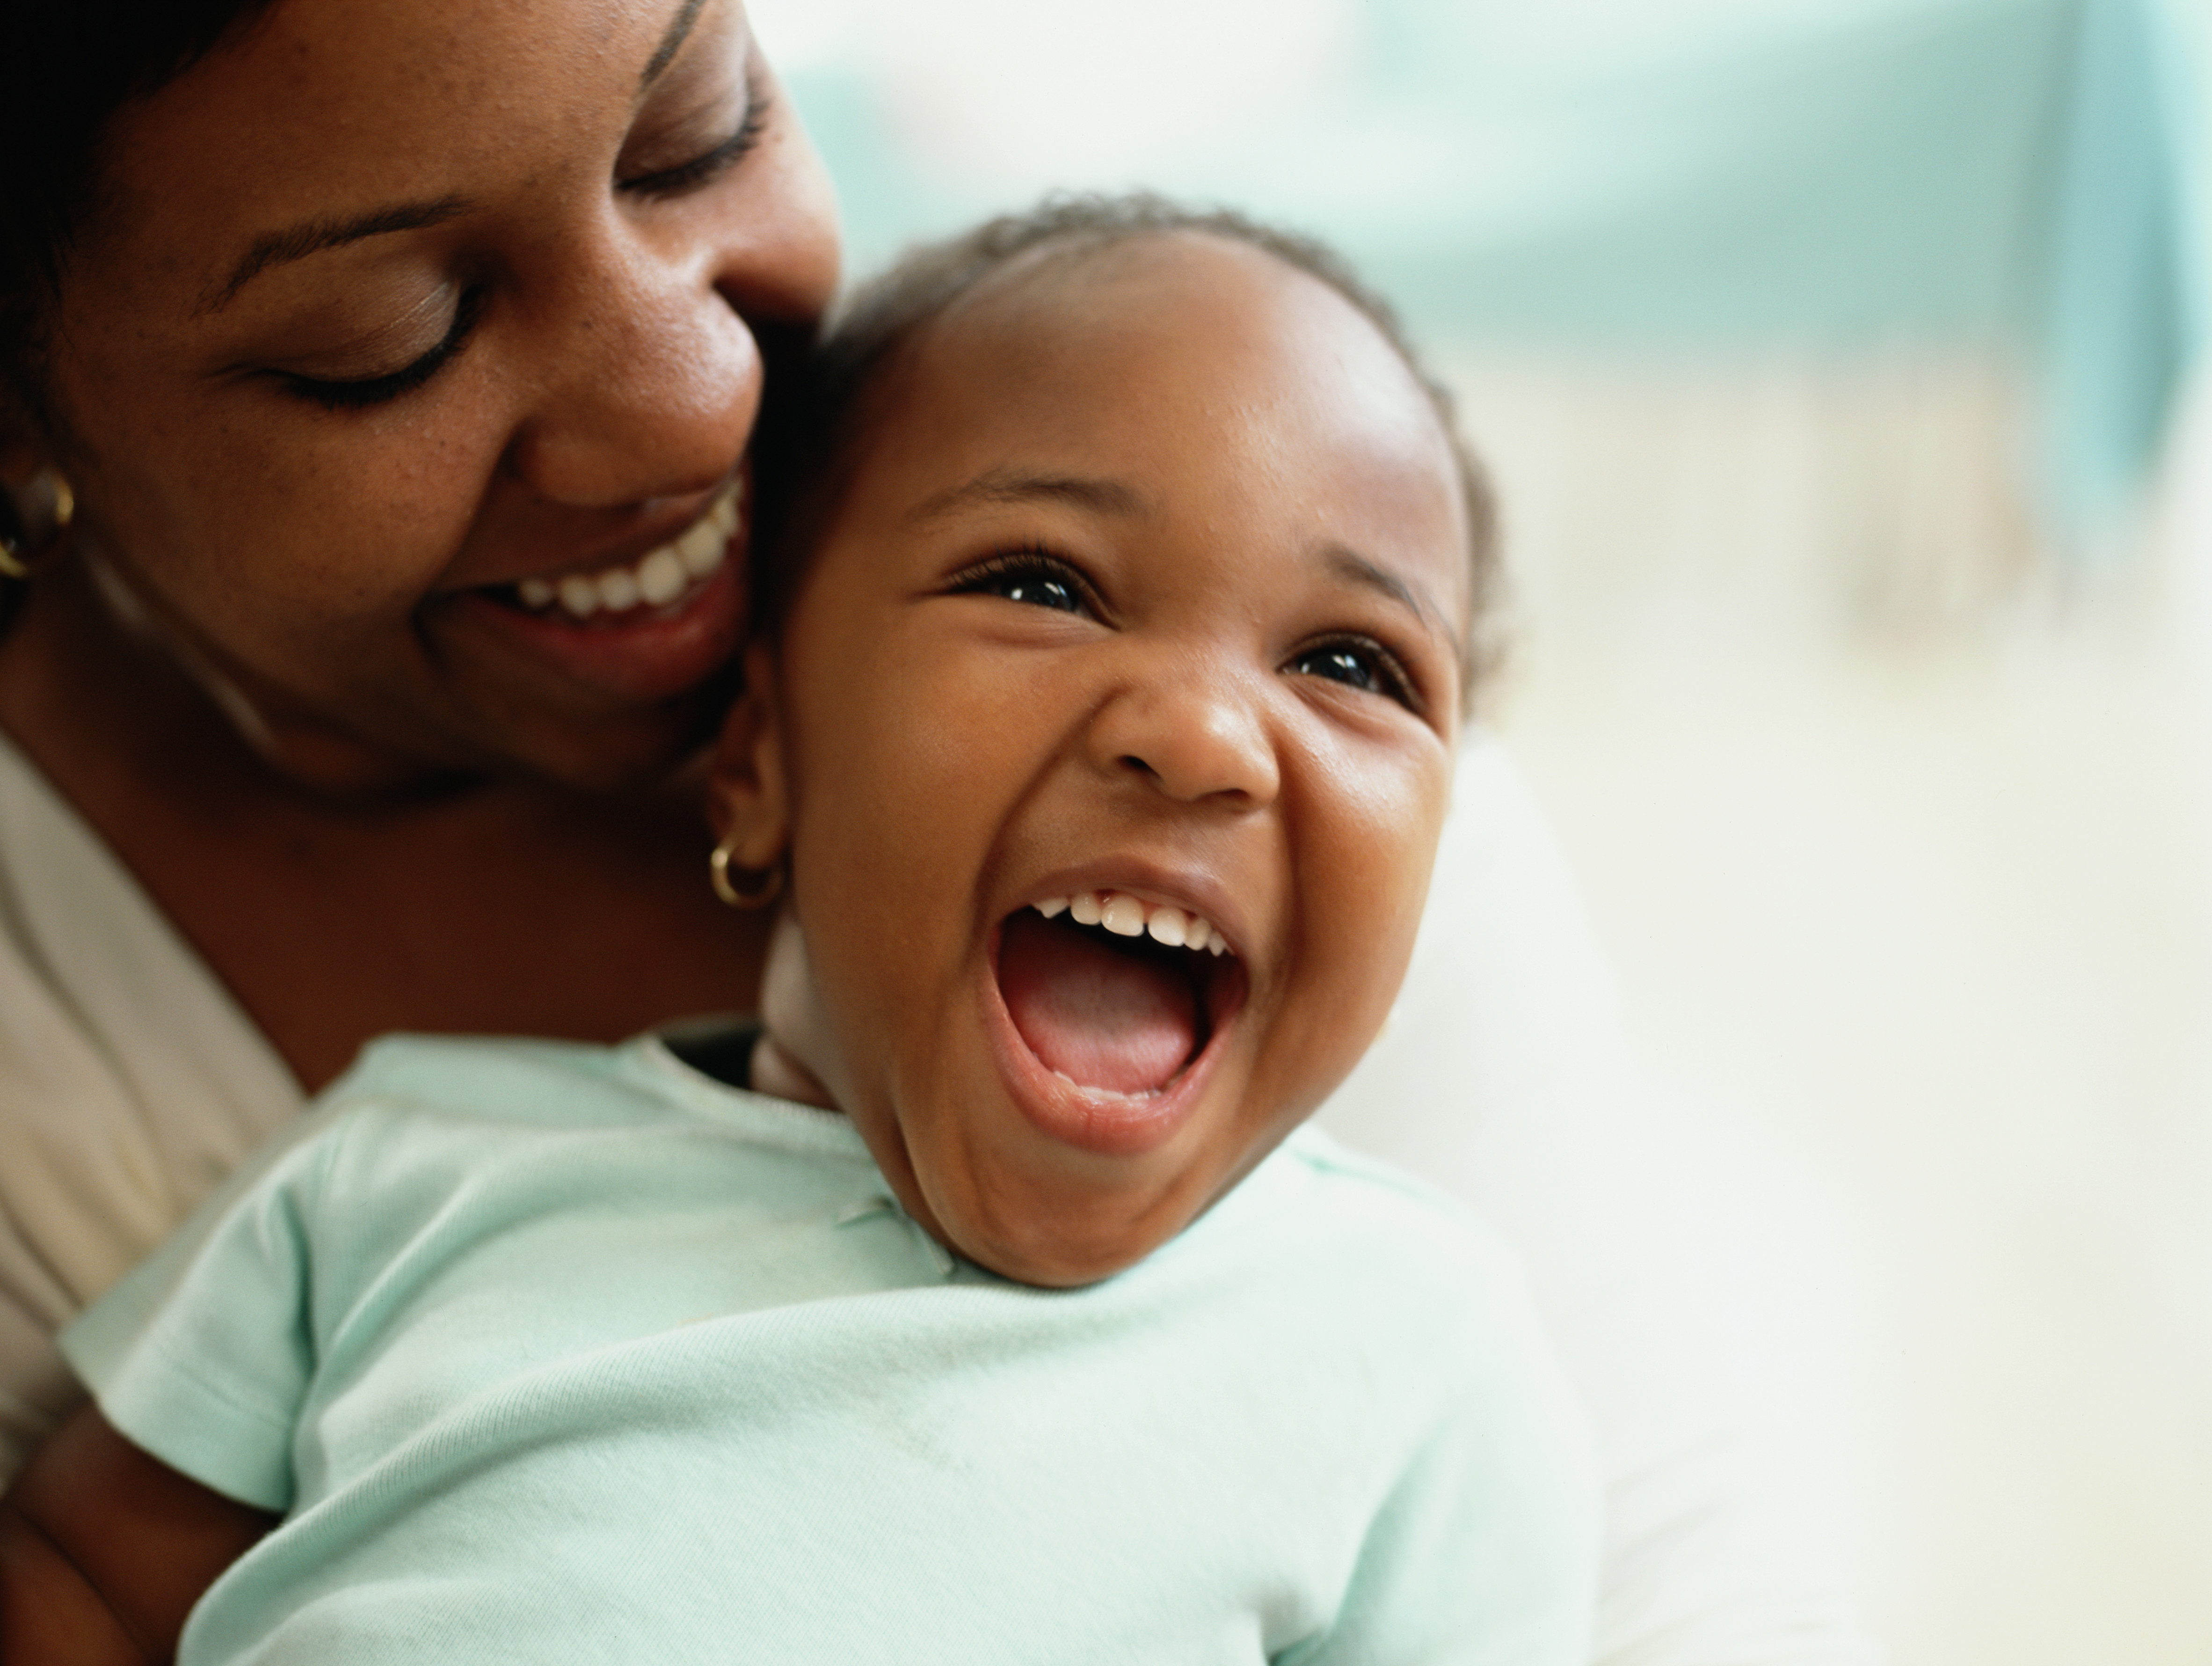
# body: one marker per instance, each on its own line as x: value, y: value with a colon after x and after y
x: 388, y: 519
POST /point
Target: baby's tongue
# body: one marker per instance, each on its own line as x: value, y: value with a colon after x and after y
x: 1098, y: 1016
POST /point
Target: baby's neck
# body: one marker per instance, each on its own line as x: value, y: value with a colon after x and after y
x: 775, y: 1072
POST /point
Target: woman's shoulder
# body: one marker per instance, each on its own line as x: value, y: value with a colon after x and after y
x: 130, y: 1083
x: 95, y: 973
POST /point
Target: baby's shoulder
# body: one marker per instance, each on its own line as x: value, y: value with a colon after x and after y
x: 1367, y: 1251
x: 511, y: 1078
x: 1368, y: 1207
x: 473, y: 1103
x: 531, y: 1083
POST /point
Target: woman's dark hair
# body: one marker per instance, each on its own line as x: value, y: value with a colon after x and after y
x: 804, y: 451
x: 66, y: 68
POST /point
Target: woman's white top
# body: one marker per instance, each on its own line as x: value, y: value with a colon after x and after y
x: 1675, y: 1287
x: 129, y: 1083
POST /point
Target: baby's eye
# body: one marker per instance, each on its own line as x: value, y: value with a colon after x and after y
x: 1031, y: 577
x: 1357, y: 664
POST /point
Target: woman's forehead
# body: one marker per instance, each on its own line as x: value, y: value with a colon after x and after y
x: 323, y: 114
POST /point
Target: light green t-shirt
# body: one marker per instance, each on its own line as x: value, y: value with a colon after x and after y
x: 551, y: 1352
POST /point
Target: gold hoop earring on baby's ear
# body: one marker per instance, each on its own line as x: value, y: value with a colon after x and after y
x: 744, y: 887
x: 34, y: 524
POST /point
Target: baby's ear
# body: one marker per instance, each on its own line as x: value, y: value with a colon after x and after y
x: 747, y: 802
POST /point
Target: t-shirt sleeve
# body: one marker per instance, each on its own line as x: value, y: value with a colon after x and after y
x: 202, y: 1355
x: 1486, y: 1553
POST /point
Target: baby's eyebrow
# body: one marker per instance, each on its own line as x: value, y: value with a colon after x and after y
x: 1348, y: 563
x: 1013, y: 486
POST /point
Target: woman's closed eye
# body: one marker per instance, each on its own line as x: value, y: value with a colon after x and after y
x: 675, y: 179
x: 1031, y: 577
x: 353, y: 392
x: 1358, y: 662
x: 705, y: 168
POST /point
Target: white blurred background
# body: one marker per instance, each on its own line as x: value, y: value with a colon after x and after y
x: 1834, y: 359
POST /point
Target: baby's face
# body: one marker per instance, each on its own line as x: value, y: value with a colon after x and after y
x: 1144, y: 603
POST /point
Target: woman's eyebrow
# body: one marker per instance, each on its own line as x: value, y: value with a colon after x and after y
x: 279, y: 248
x: 672, y: 43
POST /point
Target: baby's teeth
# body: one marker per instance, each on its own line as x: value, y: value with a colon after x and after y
x: 619, y: 590
x: 580, y: 595
x: 700, y: 549
x: 536, y: 593
x: 1123, y: 916
x: 1127, y: 916
x: 661, y: 577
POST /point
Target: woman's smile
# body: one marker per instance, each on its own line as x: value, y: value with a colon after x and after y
x: 669, y: 575
x: 454, y: 413
x: 640, y: 628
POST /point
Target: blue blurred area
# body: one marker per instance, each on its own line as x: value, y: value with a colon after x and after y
x: 1887, y: 175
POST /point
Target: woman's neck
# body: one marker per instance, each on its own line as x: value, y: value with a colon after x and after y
x: 509, y: 907
x: 108, y: 709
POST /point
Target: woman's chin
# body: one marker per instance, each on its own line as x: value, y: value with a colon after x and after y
x: 416, y: 751
x: 600, y: 704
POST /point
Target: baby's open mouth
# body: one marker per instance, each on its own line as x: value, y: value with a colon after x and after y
x: 1113, y: 993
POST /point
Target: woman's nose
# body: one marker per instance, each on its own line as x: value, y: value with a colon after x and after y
x: 651, y: 366
x: 776, y: 255
x: 1195, y: 733
x: 649, y: 386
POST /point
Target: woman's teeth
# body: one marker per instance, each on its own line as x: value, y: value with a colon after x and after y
x: 1128, y: 916
x: 654, y: 579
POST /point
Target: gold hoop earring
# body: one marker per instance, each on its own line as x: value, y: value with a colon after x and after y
x: 34, y: 523
x: 756, y: 889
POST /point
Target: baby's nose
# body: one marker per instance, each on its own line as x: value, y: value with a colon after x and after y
x: 1197, y: 733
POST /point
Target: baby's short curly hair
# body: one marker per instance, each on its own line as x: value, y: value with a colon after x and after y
x: 804, y: 449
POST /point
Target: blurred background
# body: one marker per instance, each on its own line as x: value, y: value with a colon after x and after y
x: 1835, y: 359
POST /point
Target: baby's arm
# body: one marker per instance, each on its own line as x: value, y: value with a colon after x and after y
x: 104, y: 1550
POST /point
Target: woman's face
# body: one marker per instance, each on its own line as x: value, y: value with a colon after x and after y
x: 406, y: 363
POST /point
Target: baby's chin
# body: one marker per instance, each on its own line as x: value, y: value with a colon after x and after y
x: 1090, y: 1095
x: 1041, y: 1215
x: 1041, y: 1249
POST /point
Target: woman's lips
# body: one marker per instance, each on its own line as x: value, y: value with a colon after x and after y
x: 657, y: 626
x: 645, y: 654
x: 658, y: 578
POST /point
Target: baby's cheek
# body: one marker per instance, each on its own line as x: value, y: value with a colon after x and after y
x: 1364, y: 891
